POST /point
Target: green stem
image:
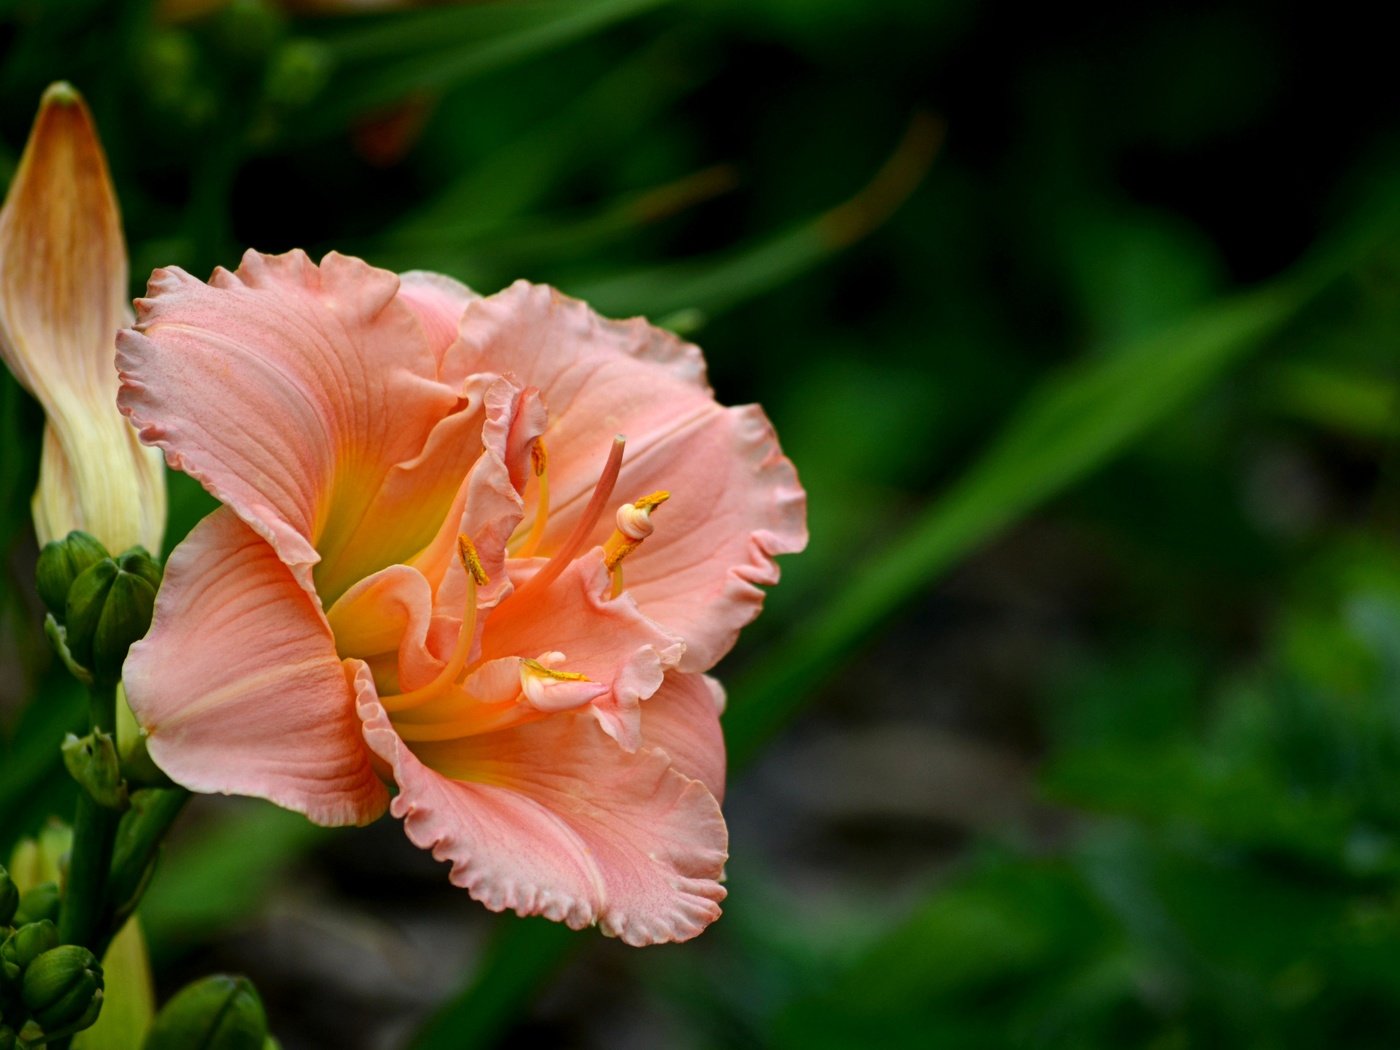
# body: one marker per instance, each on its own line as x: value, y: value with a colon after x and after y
x: 142, y: 829
x: 94, y: 832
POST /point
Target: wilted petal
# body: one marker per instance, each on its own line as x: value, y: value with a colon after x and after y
x: 63, y: 277
x: 553, y: 819
x: 735, y: 500
x: 239, y: 686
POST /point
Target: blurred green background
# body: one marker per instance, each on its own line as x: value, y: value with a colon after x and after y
x: 1079, y: 723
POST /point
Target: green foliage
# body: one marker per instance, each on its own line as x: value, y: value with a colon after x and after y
x: 1100, y: 303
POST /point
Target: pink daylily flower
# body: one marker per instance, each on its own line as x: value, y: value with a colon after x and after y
x: 438, y: 564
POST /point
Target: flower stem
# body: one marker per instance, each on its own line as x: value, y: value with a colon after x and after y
x: 94, y: 832
x: 139, y: 836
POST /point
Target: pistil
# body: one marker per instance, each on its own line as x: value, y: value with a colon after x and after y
x: 602, y: 492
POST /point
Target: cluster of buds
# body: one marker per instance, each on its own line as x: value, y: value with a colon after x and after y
x: 98, y: 605
x: 48, y: 990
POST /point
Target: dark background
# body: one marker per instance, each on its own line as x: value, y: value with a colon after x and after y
x: 1079, y: 723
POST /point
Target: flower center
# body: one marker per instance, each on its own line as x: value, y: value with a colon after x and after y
x: 466, y: 698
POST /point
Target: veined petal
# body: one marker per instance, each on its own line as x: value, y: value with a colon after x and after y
x: 239, y: 687
x: 439, y: 302
x: 63, y: 277
x: 385, y: 620
x: 606, y: 639
x: 683, y: 720
x: 290, y: 390
x: 552, y: 818
x: 735, y: 501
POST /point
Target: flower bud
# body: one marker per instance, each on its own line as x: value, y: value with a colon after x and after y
x: 38, y: 904
x: 138, y: 561
x: 63, y: 990
x: 9, y: 897
x: 65, y: 297
x: 60, y: 563
x: 92, y: 761
x: 109, y: 607
x: 24, y: 946
x: 214, y: 1013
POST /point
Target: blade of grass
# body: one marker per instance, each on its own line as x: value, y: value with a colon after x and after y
x: 1070, y: 426
x: 713, y: 284
x: 436, y: 50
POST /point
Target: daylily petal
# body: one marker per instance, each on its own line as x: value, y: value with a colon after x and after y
x: 63, y: 294
x: 553, y: 819
x: 486, y: 507
x: 439, y: 301
x: 735, y: 500
x: 385, y: 620
x: 682, y: 719
x: 608, y: 640
x: 239, y: 686
x: 290, y: 390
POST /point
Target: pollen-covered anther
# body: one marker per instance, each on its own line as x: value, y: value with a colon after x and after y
x: 547, y: 688
x: 634, y: 524
x: 471, y: 561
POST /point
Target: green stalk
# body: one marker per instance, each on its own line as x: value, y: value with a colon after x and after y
x: 142, y: 829
x: 94, y: 832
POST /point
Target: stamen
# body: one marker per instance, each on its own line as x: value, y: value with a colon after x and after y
x: 539, y: 460
x: 633, y: 526
x: 549, y: 672
x: 466, y: 552
x: 444, y: 680
x: 574, y: 544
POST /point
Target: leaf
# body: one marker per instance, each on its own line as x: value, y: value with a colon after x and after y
x: 431, y: 51
x: 1072, y: 424
x: 717, y: 283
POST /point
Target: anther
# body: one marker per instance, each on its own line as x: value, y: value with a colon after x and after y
x: 466, y: 551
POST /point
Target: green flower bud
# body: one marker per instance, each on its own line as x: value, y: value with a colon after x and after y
x: 138, y: 562
x: 63, y: 990
x: 86, y: 600
x: 109, y: 607
x: 9, y: 897
x: 60, y: 563
x: 92, y: 761
x: 214, y: 1013
x: 24, y: 946
x: 38, y: 904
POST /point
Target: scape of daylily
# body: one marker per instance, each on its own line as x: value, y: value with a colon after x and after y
x: 484, y: 549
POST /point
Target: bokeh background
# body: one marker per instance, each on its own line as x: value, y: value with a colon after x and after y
x: 1079, y: 723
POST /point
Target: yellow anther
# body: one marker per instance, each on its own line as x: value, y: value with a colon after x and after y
x: 652, y: 501
x: 466, y: 551
x: 549, y: 672
x: 539, y: 462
